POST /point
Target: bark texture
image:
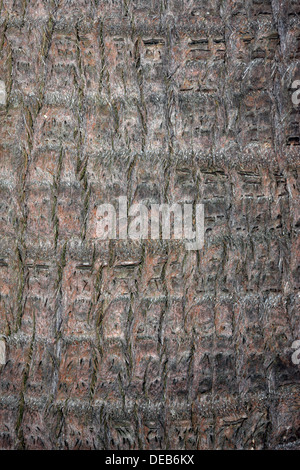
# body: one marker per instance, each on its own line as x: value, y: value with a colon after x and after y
x: 118, y: 345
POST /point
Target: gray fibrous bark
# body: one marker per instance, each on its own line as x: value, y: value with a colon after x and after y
x: 121, y: 344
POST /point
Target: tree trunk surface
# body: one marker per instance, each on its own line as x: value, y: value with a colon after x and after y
x: 123, y: 344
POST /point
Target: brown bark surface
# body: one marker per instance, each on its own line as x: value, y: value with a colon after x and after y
x: 114, y: 345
